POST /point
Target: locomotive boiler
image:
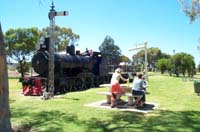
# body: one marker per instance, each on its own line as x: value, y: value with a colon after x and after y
x: 67, y: 64
x: 72, y: 71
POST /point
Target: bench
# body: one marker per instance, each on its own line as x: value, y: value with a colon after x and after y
x: 129, y: 96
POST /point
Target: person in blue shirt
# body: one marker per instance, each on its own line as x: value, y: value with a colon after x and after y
x: 138, y: 89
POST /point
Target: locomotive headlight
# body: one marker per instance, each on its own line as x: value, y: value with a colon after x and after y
x: 99, y: 55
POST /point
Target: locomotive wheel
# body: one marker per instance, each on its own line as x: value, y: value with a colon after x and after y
x: 83, y: 83
x: 96, y: 81
x: 79, y: 83
x: 101, y: 80
x: 88, y: 82
x: 74, y: 84
x: 71, y: 84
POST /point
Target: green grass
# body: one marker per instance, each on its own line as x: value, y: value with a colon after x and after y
x: 179, y: 110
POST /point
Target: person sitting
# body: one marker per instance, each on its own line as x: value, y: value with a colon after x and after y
x: 138, y: 89
x: 116, y: 90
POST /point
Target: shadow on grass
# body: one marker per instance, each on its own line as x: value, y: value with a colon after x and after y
x: 72, y: 98
x: 162, y: 121
x: 51, y: 121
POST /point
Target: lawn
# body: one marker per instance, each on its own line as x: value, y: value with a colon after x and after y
x: 179, y: 110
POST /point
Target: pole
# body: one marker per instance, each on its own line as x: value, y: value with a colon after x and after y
x: 51, y: 52
x: 145, y: 64
x: 49, y: 92
x: 174, y: 63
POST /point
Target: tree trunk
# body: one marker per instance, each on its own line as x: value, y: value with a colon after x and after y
x: 5, y: 124
x: 22, y: 69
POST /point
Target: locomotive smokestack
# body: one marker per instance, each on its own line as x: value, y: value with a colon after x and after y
x: 70, y: 49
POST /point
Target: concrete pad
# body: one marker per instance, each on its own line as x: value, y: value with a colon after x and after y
x: 124, y: 107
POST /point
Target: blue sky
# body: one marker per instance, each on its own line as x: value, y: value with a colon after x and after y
x: 128, y: 22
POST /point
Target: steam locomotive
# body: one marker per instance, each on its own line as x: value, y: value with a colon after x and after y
x: 72, y: 71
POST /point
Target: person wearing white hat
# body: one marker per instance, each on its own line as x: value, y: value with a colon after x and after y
x: 116, y: 90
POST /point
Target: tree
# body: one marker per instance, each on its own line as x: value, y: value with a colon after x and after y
x: 63, y: 37
x: 124, y: 58
x: 162, y: 65
x: 20, y: 43
x: 191, y: 8
x: 26, y: 67
x: 184, y: 63
x: 198, y: 68
x: 5, y: 124
x: 153, y: 54
x: 110, y: 50
x: 165, y: 64
x: 170, y: 65
x: 189, y: 64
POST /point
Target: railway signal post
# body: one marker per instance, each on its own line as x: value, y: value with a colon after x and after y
x: 49, y: 92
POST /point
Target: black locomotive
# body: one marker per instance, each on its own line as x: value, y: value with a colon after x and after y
x: 73, y: 71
